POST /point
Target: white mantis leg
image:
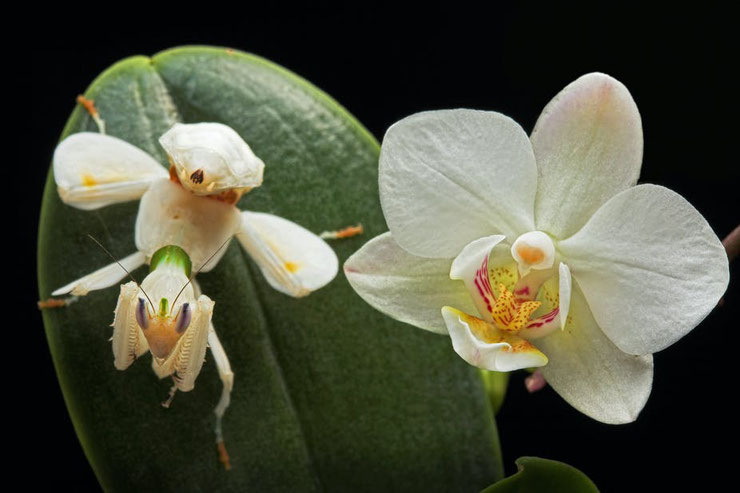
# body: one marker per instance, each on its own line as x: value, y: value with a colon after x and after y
x: 94, y: 170
x: 293, y: 260
x: 227, y: 380
x: 103, y: 278
x: 226, y: 375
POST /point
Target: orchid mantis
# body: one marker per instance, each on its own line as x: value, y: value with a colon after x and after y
x: 185, y: 219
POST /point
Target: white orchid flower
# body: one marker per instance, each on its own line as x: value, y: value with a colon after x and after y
x: 185, y: 219
x: 469, y: 197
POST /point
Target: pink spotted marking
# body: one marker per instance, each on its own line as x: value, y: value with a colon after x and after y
x: 544, y: 319
x: 484, y: 284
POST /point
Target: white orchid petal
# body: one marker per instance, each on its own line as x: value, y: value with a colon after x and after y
x: 588, y: 145
x: 650, y: 267
x: 104, y: 277
x: 565, y: 288
x: 471, y: 266
x: 482, y: 345
x: 294, y: 260
x: 94, y: 170
x: 450, y: 177
x: 405, y: 287
x: 591, y: 373
x: 170, y: 215
x: 211, y: 158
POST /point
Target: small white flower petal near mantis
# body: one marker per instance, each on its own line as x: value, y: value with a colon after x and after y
x: 511, y: 215
x: 94, y: 170
x: 293, y: 260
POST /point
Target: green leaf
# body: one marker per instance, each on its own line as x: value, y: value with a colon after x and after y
x: 537, y: 475
x: 329, y: 395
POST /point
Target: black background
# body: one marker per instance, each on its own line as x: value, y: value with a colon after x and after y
x: 384, y: 63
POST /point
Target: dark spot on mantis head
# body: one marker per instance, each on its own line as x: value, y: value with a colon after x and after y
x: 197, y: 176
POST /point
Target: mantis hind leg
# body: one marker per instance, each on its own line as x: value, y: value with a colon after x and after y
x: 227, y: 379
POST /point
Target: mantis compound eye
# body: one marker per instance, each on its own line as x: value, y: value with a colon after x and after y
x: 142, y: 317
x: 183, y: 318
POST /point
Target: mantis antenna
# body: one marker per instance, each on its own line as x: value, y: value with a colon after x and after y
x: 124, y: 269
x: 192, y: 276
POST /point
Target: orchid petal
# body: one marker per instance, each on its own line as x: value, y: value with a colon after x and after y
x: 405, y: 287
x: 94, y: 170
x: 450, y: 177
x: 482, y: 345
x: 555, y: 303
x: 471, y: 266
x: 588, y: 145
x: 650, y: 267
x: 591, y: 373
x: 104, y: 277
x: 564, y: 293
x: 170, y: 215
x: 293, y: 259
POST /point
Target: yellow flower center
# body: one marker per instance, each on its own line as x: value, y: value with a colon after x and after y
x: 509, y: 315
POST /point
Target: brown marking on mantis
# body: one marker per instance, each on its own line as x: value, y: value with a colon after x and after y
x: 55, y: 302
x: 223, y: 455
x: 89, y: 106
x: 347, y: 232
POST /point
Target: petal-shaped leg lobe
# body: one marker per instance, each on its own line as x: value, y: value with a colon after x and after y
x: 104, y: 277
x: 293, y: 259
x: 482, y: 345
x: 403, y: 286
x: 94, y: 170
x: 650, y: 267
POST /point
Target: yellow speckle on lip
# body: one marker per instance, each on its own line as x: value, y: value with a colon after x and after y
x: 88, y: 181
x: 290, y: 267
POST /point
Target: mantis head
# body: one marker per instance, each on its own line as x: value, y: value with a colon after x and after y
x: 161, y: 329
